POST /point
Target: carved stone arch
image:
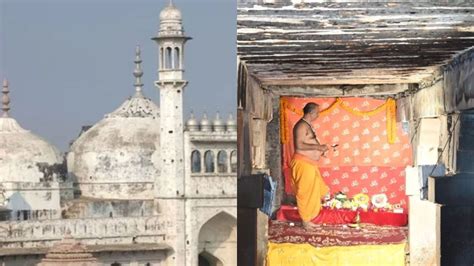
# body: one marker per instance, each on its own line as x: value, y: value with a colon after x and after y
x: 207, y: 259
x: 218, y: 238
x: 222, y: 161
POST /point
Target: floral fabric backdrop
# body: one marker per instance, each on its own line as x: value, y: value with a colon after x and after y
x: 372, y: 151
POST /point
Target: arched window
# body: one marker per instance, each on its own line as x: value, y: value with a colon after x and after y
x: 162, y: 58
x: 222, y: 162
x: 115, y: 264
x: 233, y: 161
x: 209, y: 161
x: 195, y: 162
x: 168, y: 59
x: 176, y: 58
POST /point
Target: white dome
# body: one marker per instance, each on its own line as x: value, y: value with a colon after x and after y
x: 231, y: 124
x: 119, y: 156
x: 217, y: 124
x: 23, y: 154
x: 192, y: 123
x: 205, y: 123
x: 170, y: 13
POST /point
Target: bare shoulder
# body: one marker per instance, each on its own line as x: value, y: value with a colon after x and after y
x: 300, y: 126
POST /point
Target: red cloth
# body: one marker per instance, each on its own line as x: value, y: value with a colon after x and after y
x: 336, y: 235
x: 334, y: 216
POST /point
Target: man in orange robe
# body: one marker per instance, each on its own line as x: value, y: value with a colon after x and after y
x: 306, y: 180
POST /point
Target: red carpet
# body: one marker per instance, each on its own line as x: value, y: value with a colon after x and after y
x: 328, y: 216
x: 336, y: 235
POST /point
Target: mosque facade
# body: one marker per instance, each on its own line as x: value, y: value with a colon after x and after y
x: 139, y: 187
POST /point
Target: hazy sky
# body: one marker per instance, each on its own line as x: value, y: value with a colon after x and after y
x: 70, y: 62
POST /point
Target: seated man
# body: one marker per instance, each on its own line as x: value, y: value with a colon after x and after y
x: 307, y: 182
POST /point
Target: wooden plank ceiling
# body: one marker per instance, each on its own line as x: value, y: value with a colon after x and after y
x: 352, y: 43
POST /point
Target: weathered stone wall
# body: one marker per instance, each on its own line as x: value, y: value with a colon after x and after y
x: 210, y: 195
x: 93, y: 208
x: 35, y: 234
x: 32, y: 200
x: 219, y: 212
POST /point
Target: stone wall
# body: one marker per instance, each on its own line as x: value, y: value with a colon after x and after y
x: 36, y: 234
x: 32, y: 200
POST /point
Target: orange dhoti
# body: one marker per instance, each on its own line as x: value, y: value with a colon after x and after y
x: 308, y: 185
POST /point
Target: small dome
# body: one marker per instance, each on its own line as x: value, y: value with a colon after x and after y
x: 170, y: 22
x: 170, y: 13
x: 218, y: 124
x: 23, y: 155
x: 205, y: 123
x: 231, y: 124
x: 192, y: 123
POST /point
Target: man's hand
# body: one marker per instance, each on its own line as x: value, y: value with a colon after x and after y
x: 324, y: 147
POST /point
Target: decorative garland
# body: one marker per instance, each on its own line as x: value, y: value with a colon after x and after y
x: 389, y: 107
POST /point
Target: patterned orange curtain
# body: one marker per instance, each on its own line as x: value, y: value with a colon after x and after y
x: 372, y: 153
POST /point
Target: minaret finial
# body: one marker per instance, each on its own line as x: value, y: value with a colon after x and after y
x: 138, y: 73
x: 5, y: 98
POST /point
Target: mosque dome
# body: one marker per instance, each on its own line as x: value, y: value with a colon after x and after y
x: 192, y: 123
x: 205, y: 123
x: 231, y: 124
x: 218, y: 124
x: 23, y: 155
x: 170, y: 13
x: 119, y: 156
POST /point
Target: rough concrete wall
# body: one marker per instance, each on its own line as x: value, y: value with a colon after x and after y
x: 424, y: 216
x: 459, y: 82
x: 429, y: 102
x: 273, y: 152
x: 29, y: 234
x: 424, y: 232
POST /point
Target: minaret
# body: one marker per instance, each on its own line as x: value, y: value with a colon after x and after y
x: 169, y: 186
x: 171, y: 40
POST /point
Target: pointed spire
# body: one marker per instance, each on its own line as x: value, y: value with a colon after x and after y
x: 171, y: 3
x: 138, y: 73
x: 191, y: 116
x: 5, y: 98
